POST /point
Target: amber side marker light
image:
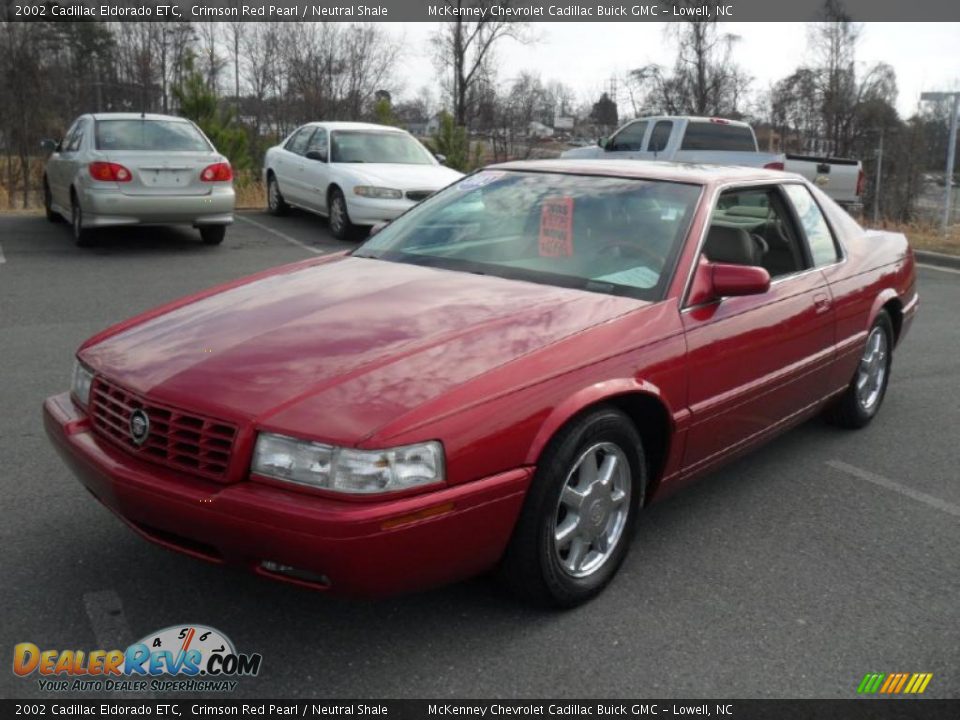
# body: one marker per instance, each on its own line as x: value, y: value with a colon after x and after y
x: 419, y: 515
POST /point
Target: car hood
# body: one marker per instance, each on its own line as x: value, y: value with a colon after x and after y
x: 350, y: 343
x: 401, y: 177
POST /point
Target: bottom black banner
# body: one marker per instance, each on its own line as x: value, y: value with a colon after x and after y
x: 854, y: 709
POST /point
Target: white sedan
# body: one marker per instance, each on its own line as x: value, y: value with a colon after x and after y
x: 357, y: 174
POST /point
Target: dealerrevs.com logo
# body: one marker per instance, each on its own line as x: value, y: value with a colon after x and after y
x: 180, y: 658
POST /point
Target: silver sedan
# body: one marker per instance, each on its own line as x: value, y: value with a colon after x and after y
x: 137, y: 169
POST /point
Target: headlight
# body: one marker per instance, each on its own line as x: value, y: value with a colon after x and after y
x: 82, y: 380
x: 345, y: 469
x: 380, y: 193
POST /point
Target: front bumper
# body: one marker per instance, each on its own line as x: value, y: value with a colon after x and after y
x: 369, y: 211
x: 361, y: 548
x: 105, y: 207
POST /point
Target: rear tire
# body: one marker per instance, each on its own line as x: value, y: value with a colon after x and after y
x: 340, y: 226
x: 213, y: 234
x: 83, y: 237
x: 276, y: 205
x: 575, y: 529
x: 52, y: 215
x: 861, y: 401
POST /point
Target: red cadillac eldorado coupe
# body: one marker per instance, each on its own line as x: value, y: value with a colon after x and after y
x: 503, y: 377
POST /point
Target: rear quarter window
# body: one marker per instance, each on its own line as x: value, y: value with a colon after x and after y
x: 717, y: 136
x: 823, y: 249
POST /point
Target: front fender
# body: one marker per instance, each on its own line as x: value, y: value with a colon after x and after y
x: 588, y: 397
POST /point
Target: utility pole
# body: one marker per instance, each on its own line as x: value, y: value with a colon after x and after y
x: 876, y: 187
x: 951, y: 149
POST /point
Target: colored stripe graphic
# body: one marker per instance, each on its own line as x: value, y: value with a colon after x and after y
x: 894, y: 683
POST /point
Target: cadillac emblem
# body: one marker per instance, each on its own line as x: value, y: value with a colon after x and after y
x: 139, y: 427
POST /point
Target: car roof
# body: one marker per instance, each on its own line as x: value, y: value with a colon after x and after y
x: 696, y: 119
x: 136, y: 116
x: 344, y: 125
x: 700, y: 174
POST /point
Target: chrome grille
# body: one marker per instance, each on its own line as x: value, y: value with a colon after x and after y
x: 184, y: 441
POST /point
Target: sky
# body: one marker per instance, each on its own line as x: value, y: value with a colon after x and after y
x: 926, y: 56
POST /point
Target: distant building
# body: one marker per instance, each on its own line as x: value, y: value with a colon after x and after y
x: 539, y: 130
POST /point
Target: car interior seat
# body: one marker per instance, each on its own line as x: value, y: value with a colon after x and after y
x: 733, y: 245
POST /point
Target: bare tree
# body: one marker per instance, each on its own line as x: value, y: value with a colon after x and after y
x: 463, y: 50
x: 704, y: 79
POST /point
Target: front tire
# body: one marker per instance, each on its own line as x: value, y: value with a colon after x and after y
x: 82, y: 236
x: 52, y: 215
x: 861, y: 401
x: 580, y: 513
x: 212, y: 234
x: 276, y: 205
x: 340, y: 225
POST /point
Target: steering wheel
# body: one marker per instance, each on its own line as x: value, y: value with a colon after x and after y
x: 632, y: 248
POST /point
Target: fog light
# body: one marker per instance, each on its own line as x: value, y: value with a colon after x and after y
x: 289, y: 571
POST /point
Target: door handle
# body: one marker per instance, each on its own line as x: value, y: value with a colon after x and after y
x: 821, y: 303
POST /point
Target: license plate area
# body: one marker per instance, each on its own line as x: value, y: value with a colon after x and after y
x: 166, y: 177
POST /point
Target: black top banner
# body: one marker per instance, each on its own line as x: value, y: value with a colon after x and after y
x: 472, y: 10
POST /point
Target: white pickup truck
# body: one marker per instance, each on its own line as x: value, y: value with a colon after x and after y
x: 721, y: 142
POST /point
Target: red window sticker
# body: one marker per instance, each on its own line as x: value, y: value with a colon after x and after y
x: 556, y: 227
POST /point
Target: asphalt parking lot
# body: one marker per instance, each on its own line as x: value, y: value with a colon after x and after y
x: 791, y: 573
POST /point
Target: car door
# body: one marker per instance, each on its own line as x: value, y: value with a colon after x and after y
x: 316, y: 171
x: 290, y: 164
x: 61, y: 163
x: 627, y: 143
x: 756, y: 362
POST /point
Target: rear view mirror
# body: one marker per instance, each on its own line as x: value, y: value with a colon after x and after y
x: 442, y: 159
x: 602, y: 142
x: 316, y: 155
x: 49, y: 145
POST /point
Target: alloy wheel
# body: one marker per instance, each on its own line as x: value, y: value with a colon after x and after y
x: 593, y: 509
x: 872, y: 373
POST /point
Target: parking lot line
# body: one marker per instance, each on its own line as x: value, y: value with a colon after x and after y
x: 282, y: 236
x: 889, y: 484
x: 937, y: 267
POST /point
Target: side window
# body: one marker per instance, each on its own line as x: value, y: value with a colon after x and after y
x: 752, y: 226
x: 823, y: 249
x: 660, y: 136
x: 318, y: 143
x: 71, y: 141
x: 298, y: 142
x: 718, y: 136
x: 630, y: 137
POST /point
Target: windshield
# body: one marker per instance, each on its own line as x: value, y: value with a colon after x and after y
x: 372, y: 146
x: 614, y: 235
x: 158, y: 135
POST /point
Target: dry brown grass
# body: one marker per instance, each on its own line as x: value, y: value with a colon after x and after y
x: 928, y: 236
x: 251, y: 195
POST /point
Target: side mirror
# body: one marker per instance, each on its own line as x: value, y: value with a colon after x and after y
x: 377, y: 228
x: 442, y: 159
x: 603, y: 142
x: 316, y: 155
x: 737, y: 280
x: 49, y: 145
x: 713, y: 281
